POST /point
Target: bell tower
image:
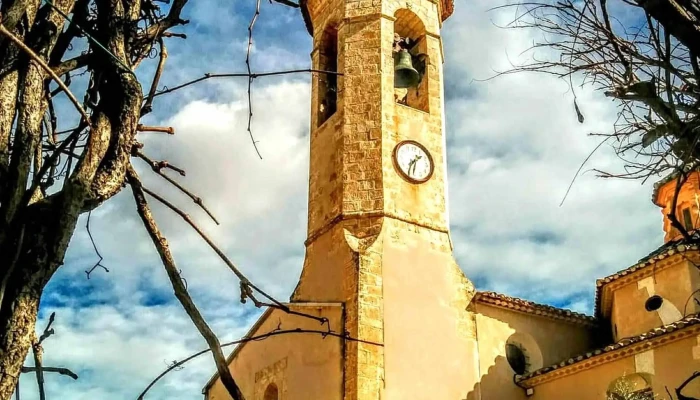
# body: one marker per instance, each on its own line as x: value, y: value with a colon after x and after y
x: 378, y: 238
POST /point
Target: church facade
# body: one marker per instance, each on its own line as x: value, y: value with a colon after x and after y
x: 379, y: 264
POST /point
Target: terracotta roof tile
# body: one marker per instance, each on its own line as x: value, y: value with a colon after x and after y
x: 656, y: 332
x: 666, y: 250
x: 448, y: 7
x: 529, y: 307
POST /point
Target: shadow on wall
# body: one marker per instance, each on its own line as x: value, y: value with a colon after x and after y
x: 497, y: 384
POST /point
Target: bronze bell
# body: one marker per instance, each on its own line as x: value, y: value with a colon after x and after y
x: 405, y: 75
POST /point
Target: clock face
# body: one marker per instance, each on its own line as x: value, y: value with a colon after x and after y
x: 413, y: 161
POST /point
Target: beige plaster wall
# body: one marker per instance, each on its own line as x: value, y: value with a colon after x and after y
x: 551, y: 341
x: 669, y: 365
x: 303, y: 366
x: 674, y: 279
x: 591, y: 384
x: 430, y: 340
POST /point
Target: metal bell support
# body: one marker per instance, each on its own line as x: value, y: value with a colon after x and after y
x: 405, y: 75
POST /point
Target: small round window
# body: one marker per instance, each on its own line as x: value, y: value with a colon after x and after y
x: 653, y: 303
x: 516, y: 358
x: 522, y: 353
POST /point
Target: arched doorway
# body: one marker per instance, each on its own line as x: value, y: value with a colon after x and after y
x: 271, y: 392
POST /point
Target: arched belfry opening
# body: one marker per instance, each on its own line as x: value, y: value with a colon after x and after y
x: 410, y: 37
x: 327, y: 82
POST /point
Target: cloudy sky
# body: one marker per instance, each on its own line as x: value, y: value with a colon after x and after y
x: 514, y: 144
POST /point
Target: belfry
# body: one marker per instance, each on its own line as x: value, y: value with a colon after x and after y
x: 379, y: 261
x: 379, y: 264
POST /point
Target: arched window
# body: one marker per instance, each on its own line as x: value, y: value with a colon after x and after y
x: 523, y: 354
x: 410, y: 35
x: 631, y: 387
x: 327, y: 83
x: 271, y: 393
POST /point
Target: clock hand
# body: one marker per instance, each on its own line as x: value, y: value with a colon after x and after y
x: 412, y: 166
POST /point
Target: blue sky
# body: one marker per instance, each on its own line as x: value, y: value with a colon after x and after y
x: 513, y: 147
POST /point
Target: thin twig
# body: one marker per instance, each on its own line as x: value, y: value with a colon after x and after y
x: 250, y: 75
x: 48, y: 331
x: 181, y: 293
x: 36, y: 181
x: 579, y: 170
x: 208, y: 75
x: 148, y: 107
x: 36, y: 351
x: 176, y: 365
x: 157, y: 168
x: 98, y: 264
x: 164, y: 129
x: 245, y: 283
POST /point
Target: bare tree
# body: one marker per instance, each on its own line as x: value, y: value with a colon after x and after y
x: 49, y: 177
x: 640, y: 56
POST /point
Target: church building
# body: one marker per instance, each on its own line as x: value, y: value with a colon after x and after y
x: 379, y: 264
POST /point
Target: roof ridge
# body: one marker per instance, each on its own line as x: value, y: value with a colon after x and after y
x: 665, y: 250
x: 527, y: 306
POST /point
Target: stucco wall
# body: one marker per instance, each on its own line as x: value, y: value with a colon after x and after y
x: 430, y: 346
x: 668, y: 365
x: 674, y: 279
x: 303, y: 366
x: 551, y: 341
x: 586, y: 385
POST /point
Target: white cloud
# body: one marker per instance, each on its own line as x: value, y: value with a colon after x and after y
x: 515, y: 145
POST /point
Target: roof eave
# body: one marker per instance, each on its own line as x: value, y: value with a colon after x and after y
x: 683, y: 328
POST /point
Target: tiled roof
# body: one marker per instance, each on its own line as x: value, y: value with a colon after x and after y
x: 513, y: 303
x: 666, y: 250
x: 627, y: 342
x: 448, y: 7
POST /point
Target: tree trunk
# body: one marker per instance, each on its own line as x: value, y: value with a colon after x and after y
x: 17, y: 323
x: 42, y: 241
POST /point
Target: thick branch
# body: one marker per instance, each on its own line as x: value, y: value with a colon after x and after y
x: 72, y: 64
x: 166, y: 257
x: 58, y: 370
x: 246, y: 285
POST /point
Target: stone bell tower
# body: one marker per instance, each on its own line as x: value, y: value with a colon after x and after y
x: 378, y: 238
